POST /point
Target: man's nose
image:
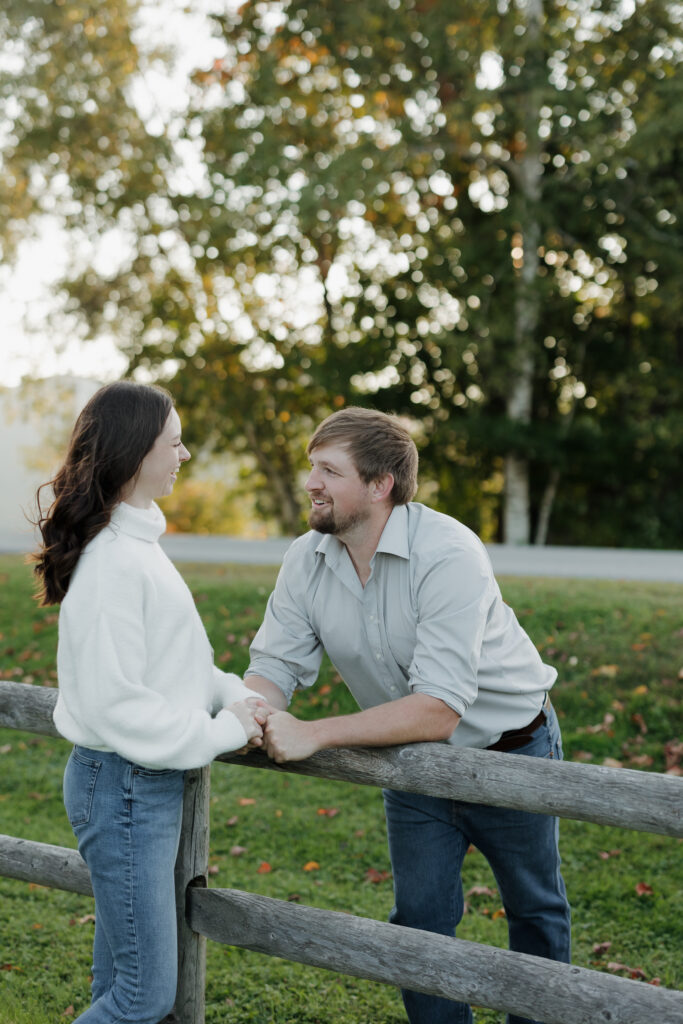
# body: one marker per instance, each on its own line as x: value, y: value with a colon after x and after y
x: 312, y: 482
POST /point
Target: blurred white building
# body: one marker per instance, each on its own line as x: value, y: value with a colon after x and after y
x: 36, y: 419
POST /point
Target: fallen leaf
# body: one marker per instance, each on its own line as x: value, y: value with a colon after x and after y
x: 246, y: 801
x: 611, y: 762
x: 608, y: 671
x: 232, y: 821
x: 643, y: 889
x: 375, y: 876
x: 638, y: 720
x: 604, y: 726
x: 237, y: 851
x: 642, y: 760
x: 212, y: 869
x: 329, y: 812
x: 673, y: 753
x: 655, y: 981
x: 481, y: 890
x: 6, y: 748
x: 278, y: 813
x: 311, y: 865
x: 264, y: 868
x: 601, y: 947
x: 606, y: 854
x: 293, y: 897
x: 614, y: 966
x: 498, y: 913
x: 69, y: 1012
x: 640, y: 690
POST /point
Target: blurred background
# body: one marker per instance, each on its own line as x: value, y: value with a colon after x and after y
x: 465, y: 214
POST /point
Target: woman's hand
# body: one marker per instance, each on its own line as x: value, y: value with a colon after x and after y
x: 252, y: 713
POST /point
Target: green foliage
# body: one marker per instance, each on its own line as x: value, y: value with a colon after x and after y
x: 618, y: 649
x: 467, y: 216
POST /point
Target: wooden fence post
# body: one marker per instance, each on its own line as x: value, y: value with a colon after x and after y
x: 191, y: 870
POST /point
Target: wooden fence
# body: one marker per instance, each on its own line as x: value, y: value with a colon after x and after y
x: 361, y: 947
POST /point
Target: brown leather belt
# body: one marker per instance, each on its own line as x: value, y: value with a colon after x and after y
x: 514, y: 738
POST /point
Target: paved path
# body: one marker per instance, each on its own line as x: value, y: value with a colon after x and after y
x: 508, y: 560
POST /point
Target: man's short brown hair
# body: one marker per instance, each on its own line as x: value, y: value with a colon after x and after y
x: 377, y: 443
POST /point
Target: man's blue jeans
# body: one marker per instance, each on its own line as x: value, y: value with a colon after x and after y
x: 428, y: 840
x: 127, y: 821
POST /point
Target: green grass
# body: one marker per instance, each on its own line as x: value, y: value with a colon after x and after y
x: 618, y: 648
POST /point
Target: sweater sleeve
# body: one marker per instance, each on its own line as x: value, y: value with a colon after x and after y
x: 228, y: 689
x: 103, y: 694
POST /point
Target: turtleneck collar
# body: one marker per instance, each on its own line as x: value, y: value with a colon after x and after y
x: 144, y: 523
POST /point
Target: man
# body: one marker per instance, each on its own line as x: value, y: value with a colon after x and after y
x: 404, y: 601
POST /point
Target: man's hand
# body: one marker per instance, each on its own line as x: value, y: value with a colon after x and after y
x: 285, y: 738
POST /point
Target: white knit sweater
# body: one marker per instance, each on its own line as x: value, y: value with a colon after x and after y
x: 135, y: 667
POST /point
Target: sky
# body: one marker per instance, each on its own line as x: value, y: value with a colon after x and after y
x: 28, y: 347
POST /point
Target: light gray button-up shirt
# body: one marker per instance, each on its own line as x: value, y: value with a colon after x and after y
x: 430, y: 619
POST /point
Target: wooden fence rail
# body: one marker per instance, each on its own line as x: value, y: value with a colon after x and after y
x: 364, y: 948
x: 642, y: 801
x: 453, y: 968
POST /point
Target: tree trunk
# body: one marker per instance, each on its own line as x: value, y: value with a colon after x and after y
x: 527, y: 174
x: 546, y: 507
x: 286, y: 508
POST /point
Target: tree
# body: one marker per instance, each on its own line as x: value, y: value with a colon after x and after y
x: 492, y: 152
x: 446, y: 212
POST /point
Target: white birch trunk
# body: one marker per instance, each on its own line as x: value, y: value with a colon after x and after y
x: 519, y: 407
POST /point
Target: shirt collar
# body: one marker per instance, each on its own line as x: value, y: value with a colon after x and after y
x: 394, y: 539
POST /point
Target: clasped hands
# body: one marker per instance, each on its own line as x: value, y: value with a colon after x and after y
x: 281, y: 735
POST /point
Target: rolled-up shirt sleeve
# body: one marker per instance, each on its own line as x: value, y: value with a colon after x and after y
x: 286, y: 650
x: 453, y: 601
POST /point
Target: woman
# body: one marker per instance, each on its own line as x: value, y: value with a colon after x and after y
x: 138, y: 689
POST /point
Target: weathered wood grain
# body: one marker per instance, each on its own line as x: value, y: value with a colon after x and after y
x: 28, y: 708
x: 642, y: 801
x: 44, y: 864
x: 191, y: 869
x: 466, y: 971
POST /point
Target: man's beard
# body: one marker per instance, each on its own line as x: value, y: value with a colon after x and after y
x: 328, y: 522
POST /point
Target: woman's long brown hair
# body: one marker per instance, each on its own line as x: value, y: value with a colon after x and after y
x: 112, y: 435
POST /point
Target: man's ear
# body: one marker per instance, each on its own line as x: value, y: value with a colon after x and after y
x: 381, y: 487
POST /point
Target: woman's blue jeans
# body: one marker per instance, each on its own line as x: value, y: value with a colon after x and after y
x: 428, y: 840
x: 127, y: 821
